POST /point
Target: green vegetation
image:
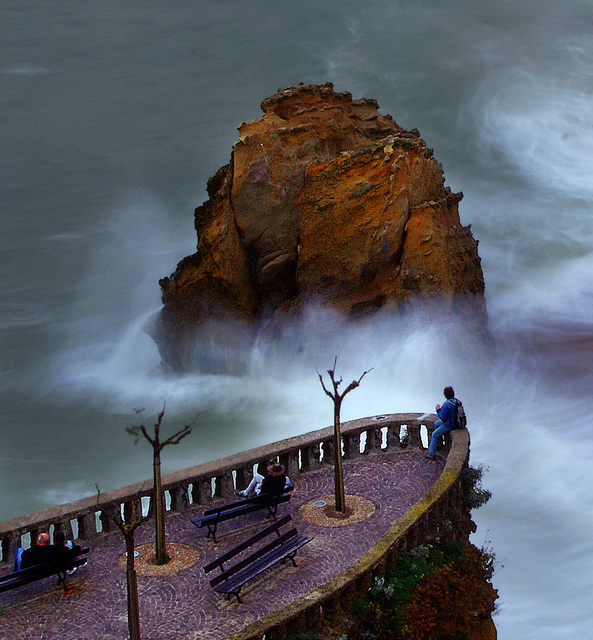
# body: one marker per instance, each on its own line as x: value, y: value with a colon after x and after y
x: 436, y: 592
x: 474, y: 496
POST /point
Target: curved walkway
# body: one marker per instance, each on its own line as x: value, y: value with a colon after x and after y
x: 182, y: 605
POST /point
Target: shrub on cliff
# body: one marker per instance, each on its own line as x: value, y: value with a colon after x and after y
x: 474, y: 495
x: 435, y: 593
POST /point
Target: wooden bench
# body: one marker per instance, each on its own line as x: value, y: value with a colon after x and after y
x: 41, y: 571
x: 213, y: 516
x: 230, y: 581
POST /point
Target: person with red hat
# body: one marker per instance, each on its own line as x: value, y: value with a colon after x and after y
x: 275, y: 482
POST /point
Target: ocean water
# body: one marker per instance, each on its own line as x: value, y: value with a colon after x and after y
x: 115, y: 114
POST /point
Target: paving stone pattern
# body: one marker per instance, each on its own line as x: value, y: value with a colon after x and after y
x: 182, y: 605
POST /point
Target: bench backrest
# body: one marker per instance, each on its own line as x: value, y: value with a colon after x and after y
x: 225, y: 557
x: 40, y: 571
x: 278, y: 542
x: 55, y: 565
x: 263, y: 499
x: 238, y: 504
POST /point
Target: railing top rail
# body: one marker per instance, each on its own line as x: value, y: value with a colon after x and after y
x: 72, y: 510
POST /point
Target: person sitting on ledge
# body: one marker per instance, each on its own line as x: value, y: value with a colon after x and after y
x: 275, y: 482
x: 446, y: 423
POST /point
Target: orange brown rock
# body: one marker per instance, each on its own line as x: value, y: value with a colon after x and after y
x: 324, y: 200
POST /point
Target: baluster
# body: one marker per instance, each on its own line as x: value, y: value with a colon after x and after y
x: 10, y: 544
x: 364, y: 582
x: 313, y: 617
x: 310, y: 457
x: 151, y: 506
x: 105, y: 519
x: 33, y: 533
x: 352, y: 446
x: 277, y: 632
x: 227, y: 486
x: 202, y: 493
x: 58, y: 526
x: 87, y: 526
x: 412, y: 538
x: 179, y: 498
x: 374, y: 440
x: 242, y: 478
x: 297, y: 625
x: 394, y: 436
x: 66, y: 528
x: 291, y: 462
x: 348, y: 595
x: 331, y: 611
x: 328, y: 451
x: 128, y: 510
x: 392, y: 558
x: 414, y: 439
x: 5, y: 547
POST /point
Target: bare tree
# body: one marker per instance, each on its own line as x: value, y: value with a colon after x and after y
x: 161, y: 556
x: 337, y: 398
x: 133, y: 521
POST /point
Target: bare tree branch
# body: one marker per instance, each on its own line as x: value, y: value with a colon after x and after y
x: 158, y: 493
x: 340, y: 498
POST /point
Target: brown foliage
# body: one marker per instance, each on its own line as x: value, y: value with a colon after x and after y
x: 451, y: 602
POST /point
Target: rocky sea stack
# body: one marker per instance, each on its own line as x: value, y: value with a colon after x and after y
x: 325, y: 201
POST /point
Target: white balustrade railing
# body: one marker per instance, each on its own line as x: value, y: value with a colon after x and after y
x: 90, y: 517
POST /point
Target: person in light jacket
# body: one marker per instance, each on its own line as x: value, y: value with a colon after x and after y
x: 274, y: 482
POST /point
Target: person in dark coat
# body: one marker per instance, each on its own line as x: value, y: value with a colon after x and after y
x: 42, y: 551
x: 275, y: 482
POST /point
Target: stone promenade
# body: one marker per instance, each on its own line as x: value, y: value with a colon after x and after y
x: 180, y: 604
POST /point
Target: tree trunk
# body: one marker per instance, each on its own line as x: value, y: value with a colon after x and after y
x: 340, y: 496
x: 159, y: 511
x: 132, y: 583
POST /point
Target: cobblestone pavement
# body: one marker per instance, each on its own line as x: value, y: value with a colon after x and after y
x: 182, y: 605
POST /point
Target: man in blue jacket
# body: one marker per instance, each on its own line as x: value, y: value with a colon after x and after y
x: 446, y: 423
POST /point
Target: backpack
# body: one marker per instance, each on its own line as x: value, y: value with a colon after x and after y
x: 460, y: 419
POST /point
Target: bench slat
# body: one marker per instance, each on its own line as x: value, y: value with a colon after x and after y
x: 230, y: 581
x: 228, y: 514
x: 242, y: 506
x: 247, y: 543
x: 212, y: 517
x: 234, y: 583
x: 261, y: 498
x: 245, y: 562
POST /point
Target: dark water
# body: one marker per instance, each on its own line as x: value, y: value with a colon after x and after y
x: 115, y: 114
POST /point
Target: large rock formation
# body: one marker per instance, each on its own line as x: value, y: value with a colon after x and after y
x: 325, y: 200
